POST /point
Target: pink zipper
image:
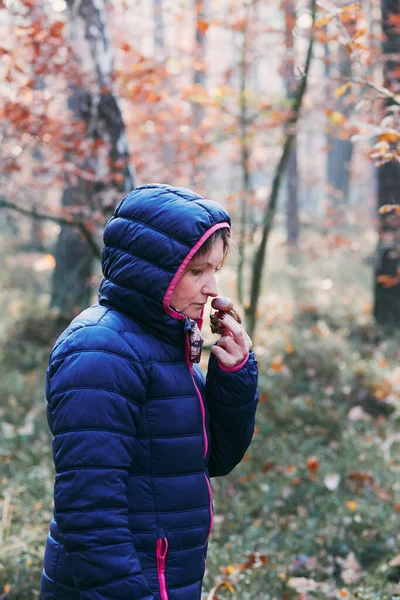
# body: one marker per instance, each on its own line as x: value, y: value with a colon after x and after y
x: 161, y: 553
x: 203, y: 414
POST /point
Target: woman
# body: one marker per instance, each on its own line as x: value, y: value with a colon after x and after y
x: 137, y: 430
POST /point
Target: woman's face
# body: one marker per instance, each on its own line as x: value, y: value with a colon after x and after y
x: 198, y: 282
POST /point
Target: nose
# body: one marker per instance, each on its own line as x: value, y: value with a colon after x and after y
x: 210, y: 287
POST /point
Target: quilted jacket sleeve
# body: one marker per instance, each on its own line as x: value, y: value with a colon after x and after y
x: 95, y: 388
x: 232, y: 400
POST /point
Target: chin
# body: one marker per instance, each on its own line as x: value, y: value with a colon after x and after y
x: 194, y: 313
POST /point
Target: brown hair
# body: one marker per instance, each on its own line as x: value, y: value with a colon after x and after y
x: 223, y: 234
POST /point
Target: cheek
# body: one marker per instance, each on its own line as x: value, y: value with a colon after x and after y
x: 184, y: 290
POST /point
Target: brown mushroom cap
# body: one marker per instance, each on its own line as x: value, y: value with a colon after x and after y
x: 222, y: 303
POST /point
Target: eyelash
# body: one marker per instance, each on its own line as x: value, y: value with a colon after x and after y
x: 197, y: 273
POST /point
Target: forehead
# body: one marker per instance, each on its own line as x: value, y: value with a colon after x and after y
x: 212, y: 258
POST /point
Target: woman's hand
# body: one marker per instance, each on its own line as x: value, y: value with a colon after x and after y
x: 234, y: 345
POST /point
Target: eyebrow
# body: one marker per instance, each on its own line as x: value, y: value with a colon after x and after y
x: 199, y: 264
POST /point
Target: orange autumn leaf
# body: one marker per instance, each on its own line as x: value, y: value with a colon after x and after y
x: 388, y: 281
x: 253, y: 559
x: 126, y: 47
x: 289, y: 348
x: 394, y: 19
x: 361, y: 477
x: 391, y: 136
x: 323, y: 21
x: 203, y: 26
x: 290, y: 469
x: 238, y: 25
x: 360, y: 32
x: 351, y: 7
x: 349, y: 48
x: 387, y: 208
x: 246, y: 478
x: 230, y: 587
x: 56, y: 29
x: 341, y: 90
x: 312, y: 464
x: 397, y: 508
x: 277, y: 364
x: 268, y: 466
x: 118, y: 177
x: 227, y: 569
x: 337, y: 118
x: 351, y: 505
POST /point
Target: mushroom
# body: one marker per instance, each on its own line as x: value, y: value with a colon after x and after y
x: 222, y: 305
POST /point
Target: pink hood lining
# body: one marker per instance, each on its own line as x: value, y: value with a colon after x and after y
x: 168, y: 309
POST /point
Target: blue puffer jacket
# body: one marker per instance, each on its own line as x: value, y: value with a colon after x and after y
x: 137, y: 430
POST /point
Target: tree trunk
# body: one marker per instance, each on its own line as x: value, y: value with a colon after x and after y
x: 387, y: 298
x: 98, y: 109
x: 292, y: 179
x: 292, y: 202
x: 340, y: 148
x: 159, y: 37
x: 199, y: 79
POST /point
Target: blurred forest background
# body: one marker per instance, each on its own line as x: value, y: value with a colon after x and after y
x: 287, y: 112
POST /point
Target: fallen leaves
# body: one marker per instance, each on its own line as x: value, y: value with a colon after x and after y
x: 331, y: 481
x: 351, y: 569
x: 277, y: 364
x: 312, y: 465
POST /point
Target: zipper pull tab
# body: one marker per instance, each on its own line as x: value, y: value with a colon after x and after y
x: 162, y: 548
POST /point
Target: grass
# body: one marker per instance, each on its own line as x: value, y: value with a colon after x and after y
x: 312, y: 512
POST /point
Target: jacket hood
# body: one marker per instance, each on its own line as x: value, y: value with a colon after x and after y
x: 153, y: 234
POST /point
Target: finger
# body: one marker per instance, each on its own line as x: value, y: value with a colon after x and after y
x: 228, y: 343
x: 223, y: 356
x: 235, y: 353
x: 237, y: 331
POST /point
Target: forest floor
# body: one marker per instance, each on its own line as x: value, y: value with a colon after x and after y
x: 313, y: 510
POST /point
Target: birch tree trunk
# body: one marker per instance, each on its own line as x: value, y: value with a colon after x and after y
x: 387, y: 298
x: 97, y: 108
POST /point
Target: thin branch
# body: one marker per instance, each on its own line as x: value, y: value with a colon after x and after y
x: 34, y: 214
x: 395, y: 98
x: 251, y: 312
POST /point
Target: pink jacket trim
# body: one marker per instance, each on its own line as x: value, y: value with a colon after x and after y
x: 182, y: 267
x: 233, y: 369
